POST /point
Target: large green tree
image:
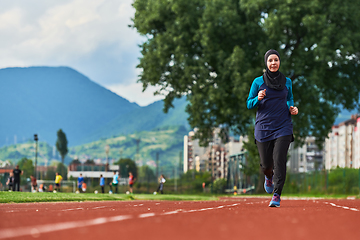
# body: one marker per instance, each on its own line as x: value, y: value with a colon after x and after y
x: 27, y: 166
x: 61, y: 144
x: 146, y: 174
x: 211, y: 50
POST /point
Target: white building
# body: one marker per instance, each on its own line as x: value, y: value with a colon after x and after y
x: 305, y: 158
x: 343, y: 144
x: 214, y: 157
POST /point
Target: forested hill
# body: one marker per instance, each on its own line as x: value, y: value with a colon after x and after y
x: 44, y: 99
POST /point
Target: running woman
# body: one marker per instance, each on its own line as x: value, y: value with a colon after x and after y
x: 272, y: 94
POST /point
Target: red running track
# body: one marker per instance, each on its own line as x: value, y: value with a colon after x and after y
x: 230, y: 218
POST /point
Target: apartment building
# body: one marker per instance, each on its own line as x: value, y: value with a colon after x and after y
x: 306, y: 158
x: 342, y: 147
x: 213, y: 158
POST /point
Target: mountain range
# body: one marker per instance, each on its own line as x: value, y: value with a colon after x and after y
x: 43, y: 100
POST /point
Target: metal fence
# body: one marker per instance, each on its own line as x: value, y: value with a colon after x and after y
x: 335, y: 181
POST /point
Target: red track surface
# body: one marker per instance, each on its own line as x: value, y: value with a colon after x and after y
x: 232, y: 218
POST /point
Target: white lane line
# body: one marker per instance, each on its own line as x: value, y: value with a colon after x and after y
x: 99, y: 207
x: 145, y: 215
x: 169, y: 213
x: 344, y: 207
x: 35, y: 231
x: 72, y: 209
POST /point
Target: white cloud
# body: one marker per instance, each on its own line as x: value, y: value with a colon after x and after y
x: 133, y: 93
x: 92, y: 37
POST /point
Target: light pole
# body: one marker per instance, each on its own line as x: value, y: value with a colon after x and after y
x: 121, y: 151
x: 107, y: 149
x: 36, y: 149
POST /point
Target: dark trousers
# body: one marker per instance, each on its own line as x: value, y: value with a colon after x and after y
x: 273, y: 158
x: 116, y: 188
x: 160, y: 188
x: 16, y: 185
x: 102, y: 189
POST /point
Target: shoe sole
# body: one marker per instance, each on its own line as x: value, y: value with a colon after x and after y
x: 273, y: 205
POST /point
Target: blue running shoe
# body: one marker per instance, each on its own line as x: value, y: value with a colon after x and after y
x: 275, y: 201
x: 269, y: 185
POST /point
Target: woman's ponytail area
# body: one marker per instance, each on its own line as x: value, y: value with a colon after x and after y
x: 293, y: 110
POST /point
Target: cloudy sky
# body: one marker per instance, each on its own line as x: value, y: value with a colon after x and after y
x: 92, y: 37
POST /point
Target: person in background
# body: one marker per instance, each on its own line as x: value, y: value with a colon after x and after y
x: 33, y: 183
x: 17, y: 172
x: 83, y: 187
x: 161, y: 184
x: 58, y: 179
x: 131, y: 181
x: 114, y: 182
x: 102, y: 183
x: 80, y: 181
x: 10, y: 181
x: 42, y: 188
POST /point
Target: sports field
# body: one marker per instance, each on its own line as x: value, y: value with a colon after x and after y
x: 227, y: 218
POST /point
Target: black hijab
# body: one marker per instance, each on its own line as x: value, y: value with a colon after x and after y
x: 275, y: 80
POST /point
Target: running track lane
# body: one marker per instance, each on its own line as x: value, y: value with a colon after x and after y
x: 232, y: 218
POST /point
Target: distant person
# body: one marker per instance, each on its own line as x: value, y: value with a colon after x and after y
x: 83, y: 187
x: 17, y: 172
x: 161, y: 184
x: 131, y: 181
x: 80, y: 181
x: 41, y: 188
x: 102, y: 183
x: 10, y: 181
x: 58, y: 179
x: 33, y: 183
x: 114, y: 182
x: 51, y: 188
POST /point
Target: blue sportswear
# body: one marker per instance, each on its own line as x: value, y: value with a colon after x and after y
x: 273, y: 118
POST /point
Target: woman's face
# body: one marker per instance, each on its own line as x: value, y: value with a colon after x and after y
x: 273, y: 63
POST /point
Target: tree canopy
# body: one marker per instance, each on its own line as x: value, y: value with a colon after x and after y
x: 127, y: 165
x: 61, y: 144
x: 26, y: 165
x: 212, y: 50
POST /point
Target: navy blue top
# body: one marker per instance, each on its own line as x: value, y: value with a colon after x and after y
x: 273, y: 118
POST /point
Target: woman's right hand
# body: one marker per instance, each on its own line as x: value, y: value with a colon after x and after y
x: 261, y: 94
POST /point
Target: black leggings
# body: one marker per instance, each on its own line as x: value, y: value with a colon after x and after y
x: 273, y: 158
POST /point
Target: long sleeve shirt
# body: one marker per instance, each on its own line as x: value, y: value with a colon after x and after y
x: 273, y: 118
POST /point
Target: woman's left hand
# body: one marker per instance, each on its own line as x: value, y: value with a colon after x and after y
x: 293, y: 110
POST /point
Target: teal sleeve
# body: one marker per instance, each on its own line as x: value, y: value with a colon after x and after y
x: 290, y: 97
x: 252, y: 101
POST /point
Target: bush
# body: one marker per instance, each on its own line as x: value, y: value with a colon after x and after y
x: 219, y: 185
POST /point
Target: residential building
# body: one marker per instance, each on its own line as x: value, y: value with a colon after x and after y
x: 213, y: 158
x: 343, y: 144
x: 305, y: 158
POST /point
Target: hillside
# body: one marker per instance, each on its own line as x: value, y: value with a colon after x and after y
x: 143, y: 119
x: 44, y: 99
x: 167, y: 141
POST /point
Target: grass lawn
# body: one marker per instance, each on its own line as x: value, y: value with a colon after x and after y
x: 23, y: 197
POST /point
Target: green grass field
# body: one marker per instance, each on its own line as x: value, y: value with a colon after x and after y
x: 23, y: 197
